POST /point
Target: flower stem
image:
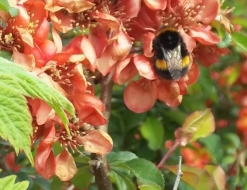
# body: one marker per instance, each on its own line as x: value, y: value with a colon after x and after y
x: 168, y: 154
x: 100, y: 169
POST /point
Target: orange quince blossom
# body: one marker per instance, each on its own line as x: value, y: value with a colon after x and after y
x: 10, y: 162
x: 27, y: 28
x: 242, y: 120
x: 68, y: 72
x: 196, y: 156
x: 109, y: 37
x: 63, y: 165
x: 191, y: 19
x: 27, y: 33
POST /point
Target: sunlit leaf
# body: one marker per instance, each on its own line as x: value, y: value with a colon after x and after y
x: 4, y: 5
x: 15, y: 119
x: 149, y: 187
x: 9, y: 183
x: 218, y: 175
x: 240, y: 40
x: 198, y: 124
x: 153, y: 131
x: 196, y: 178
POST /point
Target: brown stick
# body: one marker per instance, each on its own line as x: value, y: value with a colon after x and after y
x: 100, y: 167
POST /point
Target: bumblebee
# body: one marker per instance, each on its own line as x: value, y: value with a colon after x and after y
x: 171, y: 57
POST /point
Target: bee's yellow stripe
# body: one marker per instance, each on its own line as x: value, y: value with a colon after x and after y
x: 162, y: 30
x: 185, y: 61
x: 161, y: 64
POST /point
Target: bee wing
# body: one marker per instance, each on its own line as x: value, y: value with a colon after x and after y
x: 174, y: 62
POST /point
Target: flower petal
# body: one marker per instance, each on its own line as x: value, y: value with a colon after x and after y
x: 148, y: 44
x: 125, y: 70
x: 204, y: 36
x: 97, y: 141
x: 121, y: 46
x: 140, y: 96
x: 65, y: 166
x: 156, y: 4
x: 144, y: 66
x: 193, y: 74
x: 208, y: 10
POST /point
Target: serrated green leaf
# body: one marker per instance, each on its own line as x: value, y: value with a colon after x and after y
x: 149, y: 187
x: 4, y: 5
x: 15, y: 119
x: 33, y: 87
x: 198, y: 124
x: 122, y: 181
x: 153, y: 131
x: 146, y: 172
x: 114, y: 158
x: 8, y: 183
x: 240, y: 40
x: 82, y: 178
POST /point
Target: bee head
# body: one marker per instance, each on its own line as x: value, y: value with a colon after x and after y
x: 169, y: 39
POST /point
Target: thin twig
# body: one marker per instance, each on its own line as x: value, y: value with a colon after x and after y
x: 168, y: 154
x: 179, y: 174
x: 100, y: 169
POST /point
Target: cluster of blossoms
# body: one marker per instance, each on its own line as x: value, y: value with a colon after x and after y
x: 233, y: 81
x: 106, y: 44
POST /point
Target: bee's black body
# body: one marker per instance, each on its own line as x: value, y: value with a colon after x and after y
x: 171, y: 57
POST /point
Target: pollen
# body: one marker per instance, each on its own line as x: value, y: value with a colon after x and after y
x: 71, y: 141
x: 185, y: 17
x: 8, y: 39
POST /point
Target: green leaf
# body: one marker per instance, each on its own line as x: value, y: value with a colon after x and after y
x: 200, y: 178
x: 146, y: 172
x: 226, y: 41
x: 5, y: 54
x: 15, y: 119
x: 82, y: 178
x: 218, y: 175
x: 233, y: 77
x: 240, y: 40
x: 149, y: 187
x: 214, y: 144
x: 41, y: 182
x: 114, y: 158
x: 153, y: 131
x: 122, y: 181
x: 240, y: 21
x: 8, y: 182
x: 4, y: 5
x: 56, y: 184
x: 198, y: 124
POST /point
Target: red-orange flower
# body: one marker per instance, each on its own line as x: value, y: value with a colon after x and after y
x: 242, y: 120
x: 10, y: 162
x: 191, y: 19
x: 196, y: 156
